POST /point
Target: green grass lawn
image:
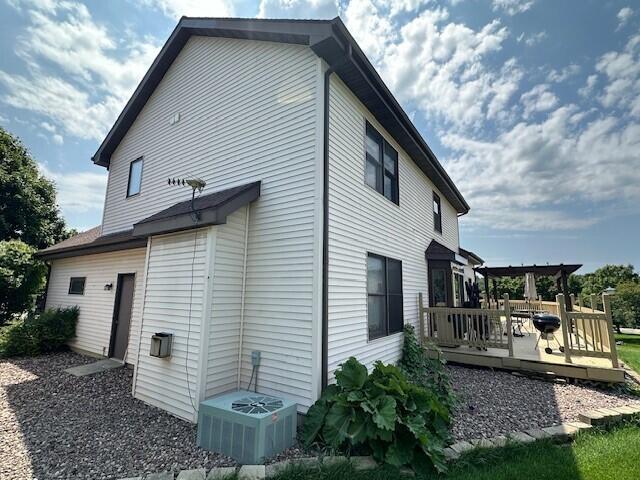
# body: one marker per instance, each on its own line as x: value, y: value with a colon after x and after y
x: 629, y: 353
x: 593, y: 456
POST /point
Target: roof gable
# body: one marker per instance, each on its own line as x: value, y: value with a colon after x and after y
x: 331, y: 41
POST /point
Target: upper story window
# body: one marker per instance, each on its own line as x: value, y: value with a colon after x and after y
x: 381, y: 171
x: 437, y: 213
x: 384, y: 296
x: 76, y: 285
x: 135, y: 177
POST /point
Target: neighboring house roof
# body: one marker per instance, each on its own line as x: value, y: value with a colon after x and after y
x: 469, y: 255
x: 211, y: 209
x: 331, y: 41
x: 89, y: 242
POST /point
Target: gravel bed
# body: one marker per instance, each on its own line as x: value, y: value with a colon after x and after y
x: 57, y: 426
x: 495, y: 402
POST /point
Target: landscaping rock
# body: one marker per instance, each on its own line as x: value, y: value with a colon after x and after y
x: 451, y: 454
x: 160, y: 476
x: 561, y: 433
x: 494, y: 402
x: 363, y: 463
x: 275, y: 468
x: 521, y: 437
x: 499, y: 441
x: 219, y: 473
x: 481, y: 443
x: 537, y: 433
x: 461, y: 447
x: 252, y: 472
x: 98, y: 432
x: 197, y: 474
x: 331, y: 460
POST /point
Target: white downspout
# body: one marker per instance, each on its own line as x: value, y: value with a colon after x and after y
x: 244, y: 282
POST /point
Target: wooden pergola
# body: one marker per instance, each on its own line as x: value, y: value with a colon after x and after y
x: 560, y: 272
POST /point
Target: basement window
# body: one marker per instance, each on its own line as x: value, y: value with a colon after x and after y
x: 384, y: 296
x: 135, y: 177
x: 381, y: 165
x: 76, y: 285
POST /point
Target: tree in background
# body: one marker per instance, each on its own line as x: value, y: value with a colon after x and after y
x: 28, y: 209
x: 626, y: 305
x: 29, y: 220
x: 609, y: 276
x: 21, y: 279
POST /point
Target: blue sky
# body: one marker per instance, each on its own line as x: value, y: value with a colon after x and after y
x: 532, y: 106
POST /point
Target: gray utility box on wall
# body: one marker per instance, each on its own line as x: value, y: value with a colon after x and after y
x: 161, y: 345
x: 247, y: 426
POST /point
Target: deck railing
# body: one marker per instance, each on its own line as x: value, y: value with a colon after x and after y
x: 476, y: 327
x: 585, y: 332
x: 588, y: 333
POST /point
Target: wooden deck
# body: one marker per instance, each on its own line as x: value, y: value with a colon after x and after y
x: 479, y: 337
x: 527, y: 358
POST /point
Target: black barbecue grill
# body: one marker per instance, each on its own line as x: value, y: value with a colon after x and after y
x: 547, y: 325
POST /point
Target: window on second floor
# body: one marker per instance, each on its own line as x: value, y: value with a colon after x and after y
x: 384, y: 296
x: 381, y: 169
x: 135, y: 177
x: 437, y: 213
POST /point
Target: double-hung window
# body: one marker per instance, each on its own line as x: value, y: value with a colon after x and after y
x: 437, y: 213
x: 384, y: 296
x: 135, y: 177
x: 381, y: 170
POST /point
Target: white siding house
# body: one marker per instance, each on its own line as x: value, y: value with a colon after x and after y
x: 242, y: 105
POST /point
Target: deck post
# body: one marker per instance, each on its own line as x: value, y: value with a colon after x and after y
x: 594, y: 303
x: 564, y: 324
x: 507, y: 314
x: 421, y: 319
x: 606, y: 302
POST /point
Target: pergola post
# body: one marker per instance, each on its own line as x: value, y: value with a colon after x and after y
x: 565, y: 290
x: 487, y: 294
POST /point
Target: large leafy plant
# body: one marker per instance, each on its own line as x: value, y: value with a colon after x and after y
x: 398, y: 422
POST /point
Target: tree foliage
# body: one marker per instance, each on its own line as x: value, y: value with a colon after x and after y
x: 21, y: 278
x: 28, y: 209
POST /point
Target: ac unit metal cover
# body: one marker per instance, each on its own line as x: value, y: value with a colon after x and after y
x: 247, y: 426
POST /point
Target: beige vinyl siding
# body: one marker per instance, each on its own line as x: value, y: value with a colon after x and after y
x: 248, y: 111
x: 93, y: 332
x: 226, y: 305
x: 173, y: 300
x: 361, y: 220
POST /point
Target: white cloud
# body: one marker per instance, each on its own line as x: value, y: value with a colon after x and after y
x: 622, y: 71
x: 371, y: 27
x: 78, y: 192
x: 624, y: 15
x: 193, y: 8
x: 441, y: 66
x: 532, y: 176
x: 567, y: 72
x: 589, y: 86
x: 512, y: 7
x: 533, y: 39
x: 298, y: 9
x: 538, y: 99
x: 99, y: 71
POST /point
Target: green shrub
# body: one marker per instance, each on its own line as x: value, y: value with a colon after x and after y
x: 426, y: 371
x: 21, y: 279
x: 398, y: 422
x: 39, y: 333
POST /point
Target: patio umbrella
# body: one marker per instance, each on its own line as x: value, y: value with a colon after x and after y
x: 530, y: 291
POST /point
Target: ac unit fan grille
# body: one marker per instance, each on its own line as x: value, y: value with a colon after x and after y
x: 257, y: 405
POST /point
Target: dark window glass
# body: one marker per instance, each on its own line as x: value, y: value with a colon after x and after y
x: 135, y: 177
x: 439, y: 286
x: 384, y: 296
x: 76, y: 286
x: 381, y: 170
x: 437, y: 213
